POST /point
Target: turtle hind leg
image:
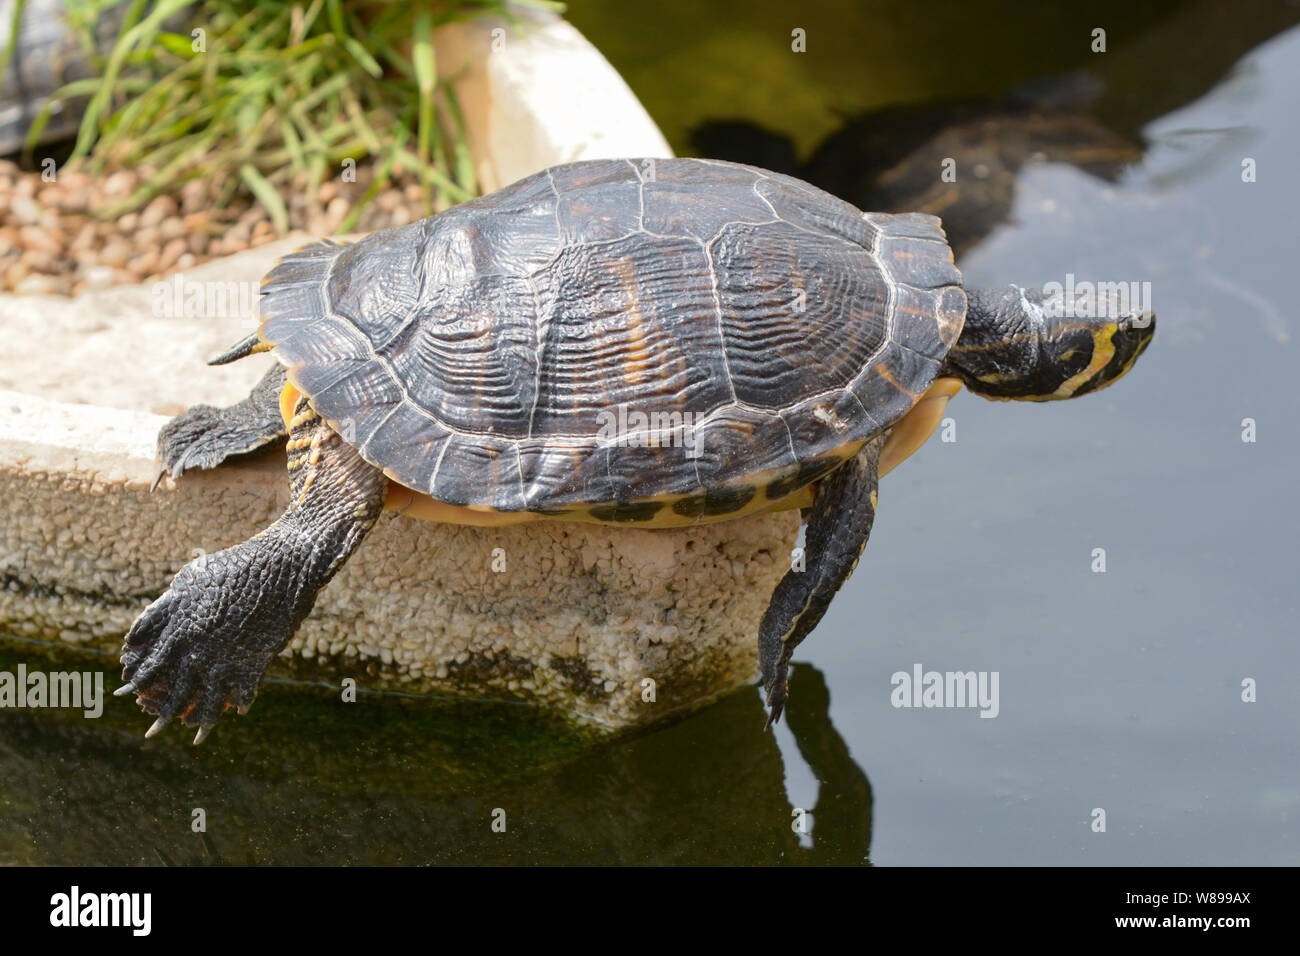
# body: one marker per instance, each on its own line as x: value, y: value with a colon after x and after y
x: 206, y: 643
x: 204, y: 436
x: 839, y: 522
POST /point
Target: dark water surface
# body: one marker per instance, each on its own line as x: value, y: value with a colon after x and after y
x: 1119, y: 691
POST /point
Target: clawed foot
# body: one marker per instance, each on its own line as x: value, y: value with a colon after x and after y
x: 204, y: 437
x: 774, y: 655
x: 207, y: 642
x: 776, y: 687
x: 774, y: 666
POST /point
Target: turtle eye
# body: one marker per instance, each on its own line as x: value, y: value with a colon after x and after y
x: 1068, y: 353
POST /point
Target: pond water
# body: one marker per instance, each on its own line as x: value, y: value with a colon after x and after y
x: 1119, y: 691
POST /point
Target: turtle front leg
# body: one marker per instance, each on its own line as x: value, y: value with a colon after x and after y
x: 204, y: 436
x: 207, y: 642
x: 839, y: 522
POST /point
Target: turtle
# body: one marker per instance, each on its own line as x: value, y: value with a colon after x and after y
x: 783, y: 349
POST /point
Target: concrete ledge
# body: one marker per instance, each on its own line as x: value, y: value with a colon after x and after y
x: 535, y: 93
x: 578, y: 619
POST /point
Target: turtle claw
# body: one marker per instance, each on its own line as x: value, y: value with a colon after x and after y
x: 157, y: 480
x: 202, y: 735
x: 775, y: 703
x: 125, y: 689
x: 157, y: 727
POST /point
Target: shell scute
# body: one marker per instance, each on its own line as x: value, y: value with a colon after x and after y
x: 738, y: 443
x: 803, y: 312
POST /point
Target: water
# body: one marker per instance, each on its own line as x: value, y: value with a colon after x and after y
x: 1119, y: 691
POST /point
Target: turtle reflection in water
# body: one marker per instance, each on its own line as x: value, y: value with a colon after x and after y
x: 470, y: 361
x: 959, y: 160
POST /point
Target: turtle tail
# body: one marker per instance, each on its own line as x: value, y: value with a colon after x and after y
x: 298, y: 273
x: 241, y: 349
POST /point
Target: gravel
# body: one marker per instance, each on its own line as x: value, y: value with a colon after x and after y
x: 51, y: 242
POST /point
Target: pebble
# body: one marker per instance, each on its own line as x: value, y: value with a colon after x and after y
x: 335, y: 212
x: 115, y: 252
x: 160, y: 208
x: 84, y: 241
x: 71, y: 200
x: 25, y: 210
x: 98, y: 277
x: 194, y: 196
x: 170, y: 254
x: 75, y: 183
x: 120, y: 184
x: 35, y: 285
x: 41, y: 260
x: 239, y: 235
x: 318, y: 224
x: 144, y: 263
x: 44, y: 240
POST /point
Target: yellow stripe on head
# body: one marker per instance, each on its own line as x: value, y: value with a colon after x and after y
x: 1103, y: 350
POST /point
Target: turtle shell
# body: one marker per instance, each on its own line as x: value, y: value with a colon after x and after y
x: 616, y: 337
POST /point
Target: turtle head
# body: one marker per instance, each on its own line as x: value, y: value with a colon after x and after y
x: 1044, y: 345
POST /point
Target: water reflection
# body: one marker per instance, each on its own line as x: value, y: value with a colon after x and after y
x: 399, y: 781
x: 961, y: 158
x: 957, y: 160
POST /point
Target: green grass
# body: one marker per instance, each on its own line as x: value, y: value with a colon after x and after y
x: 271, y: 92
